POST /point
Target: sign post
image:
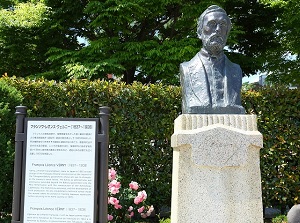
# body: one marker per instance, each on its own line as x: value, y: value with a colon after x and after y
x: 64, y: 165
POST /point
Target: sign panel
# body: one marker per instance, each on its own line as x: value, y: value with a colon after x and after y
x: 60, y: 171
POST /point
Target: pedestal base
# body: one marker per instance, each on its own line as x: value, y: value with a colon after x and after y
x: 216, y: 172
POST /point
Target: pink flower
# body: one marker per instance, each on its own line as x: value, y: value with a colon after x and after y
x: 112, y: 174
x: 137, y: 200
x: 117, y: 206
x: 143, y: 215
x: 114, y: 190
x: 141, y: 209
x: 142, y: 195
x: 114, y: 187
x: 110, y: 217
x: 150, y: 210
x: 134, y: 185
x: 130, y: 215
x: 113, y: 200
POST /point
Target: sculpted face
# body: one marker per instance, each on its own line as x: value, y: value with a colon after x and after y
x: 214, y: 32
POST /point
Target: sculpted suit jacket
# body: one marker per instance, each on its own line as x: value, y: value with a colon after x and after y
x: 196, y: 92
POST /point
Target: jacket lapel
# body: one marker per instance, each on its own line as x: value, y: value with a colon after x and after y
x: 199, y: 81
x: 230, y: 77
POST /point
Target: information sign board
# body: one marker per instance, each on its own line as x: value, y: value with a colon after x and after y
x: 60, y: 171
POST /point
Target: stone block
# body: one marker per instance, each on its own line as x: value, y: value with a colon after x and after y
x: 293, y: 215
x: 216, y: 173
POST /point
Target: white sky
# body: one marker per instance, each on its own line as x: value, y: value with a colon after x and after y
x: 251, y: 79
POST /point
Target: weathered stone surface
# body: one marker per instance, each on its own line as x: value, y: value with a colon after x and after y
x: 216, y: 173
x: 293, y: 215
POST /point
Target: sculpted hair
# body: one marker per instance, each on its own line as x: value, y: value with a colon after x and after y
x: 212, y: 8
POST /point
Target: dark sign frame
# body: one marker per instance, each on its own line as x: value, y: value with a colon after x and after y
x: 101, y: 162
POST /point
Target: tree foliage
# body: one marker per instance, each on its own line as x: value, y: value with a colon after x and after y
x: 21, y: 39
x: 141, y: 40
x: 256, y: 37
x: 134, y: 39
x: 147, y: 41
x: 27, y: 31
x: 283, y: 63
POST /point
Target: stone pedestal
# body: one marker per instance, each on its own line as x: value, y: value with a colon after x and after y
x: 216, y: 172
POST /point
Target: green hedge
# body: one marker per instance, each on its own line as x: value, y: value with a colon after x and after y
x: 9, y: 98
x: 278, y: 111
x: 141, y: 125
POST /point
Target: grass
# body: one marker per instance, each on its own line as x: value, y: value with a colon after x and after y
x: 280, y: 219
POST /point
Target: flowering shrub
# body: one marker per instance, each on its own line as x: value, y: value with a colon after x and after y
x: 125, y: 204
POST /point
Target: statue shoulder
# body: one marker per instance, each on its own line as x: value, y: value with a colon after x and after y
x: 184, y: 67
x: 231, y: 64
x: 233, y: 67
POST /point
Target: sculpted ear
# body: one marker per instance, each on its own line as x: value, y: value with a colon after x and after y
x: 200, y: 36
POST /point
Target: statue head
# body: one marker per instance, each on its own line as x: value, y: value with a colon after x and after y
x: 213, y: 29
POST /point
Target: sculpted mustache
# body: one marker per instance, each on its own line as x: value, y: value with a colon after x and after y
x: 217, y: 38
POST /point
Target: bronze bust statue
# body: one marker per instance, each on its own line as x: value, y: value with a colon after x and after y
x: 211, y: 84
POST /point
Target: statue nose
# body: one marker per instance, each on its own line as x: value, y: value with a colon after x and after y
x: 218, y: 28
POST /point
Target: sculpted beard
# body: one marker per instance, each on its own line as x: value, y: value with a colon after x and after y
x: 214, y: 44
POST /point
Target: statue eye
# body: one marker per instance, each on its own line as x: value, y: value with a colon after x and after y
x: 211, y: 24
x: 223, y: 23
